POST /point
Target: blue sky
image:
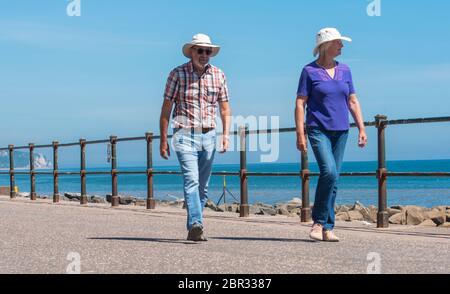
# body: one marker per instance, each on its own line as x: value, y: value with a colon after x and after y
x: 104, y: 72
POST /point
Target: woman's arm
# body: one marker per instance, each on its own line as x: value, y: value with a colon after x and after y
x: 355, y: 109
x: 302, y: 144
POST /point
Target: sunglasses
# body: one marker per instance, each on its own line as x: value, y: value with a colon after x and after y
x: 200, y: 51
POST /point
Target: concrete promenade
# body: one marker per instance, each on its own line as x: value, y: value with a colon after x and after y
x: 39, y: 237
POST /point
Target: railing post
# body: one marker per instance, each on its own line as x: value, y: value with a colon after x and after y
x: 151, y: 203
x: 32, y: 174
x: 383, y: 216
x: 114, y: 196
x: 55, y: 172
x: 306, y: 207
x: 245, y: 208
x: 12, y: 183
x: 83, y: 198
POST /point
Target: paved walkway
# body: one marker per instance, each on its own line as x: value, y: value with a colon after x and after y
x: 38, y: 237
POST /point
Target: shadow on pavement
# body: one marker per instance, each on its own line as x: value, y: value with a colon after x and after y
x: 158, y: 240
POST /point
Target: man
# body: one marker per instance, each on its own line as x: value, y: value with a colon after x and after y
x: 193, y: 91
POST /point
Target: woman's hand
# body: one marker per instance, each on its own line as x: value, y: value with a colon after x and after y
x: 302, y: 144
x: 362, y: 140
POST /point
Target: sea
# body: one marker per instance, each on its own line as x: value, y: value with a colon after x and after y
x: 422, y: 191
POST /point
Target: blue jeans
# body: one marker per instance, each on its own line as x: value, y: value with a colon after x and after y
x: 329, y: 148
x: 195, y: 152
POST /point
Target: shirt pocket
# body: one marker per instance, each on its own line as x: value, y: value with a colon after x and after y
x: 212, y: 94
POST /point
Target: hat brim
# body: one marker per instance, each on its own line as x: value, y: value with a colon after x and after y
x: 187, y: 49
x: 316, y: 49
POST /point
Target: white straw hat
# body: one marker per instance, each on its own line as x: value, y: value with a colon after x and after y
x: 326, y: 35
x: 201, y: 40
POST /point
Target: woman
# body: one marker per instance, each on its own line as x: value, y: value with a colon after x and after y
x: 326, y: 88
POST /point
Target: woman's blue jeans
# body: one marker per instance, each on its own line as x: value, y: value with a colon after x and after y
x: 329, y: 148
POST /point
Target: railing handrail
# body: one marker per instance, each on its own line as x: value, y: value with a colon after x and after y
x: 382, y: 173
x: 236, y: 132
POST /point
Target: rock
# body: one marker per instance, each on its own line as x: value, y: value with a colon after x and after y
x: 342, y: 208
x: 343, y: 216
x: 398, y: 219
x: 123, y: 200
x: 373, y: 212
x: 268, y: 211
x: 283, y: 211
x: 73, y: 196
x: 127, y: 200
x: 355, y: 215
x: 398, y: 207
x: 357, y: 206
x: 293, y: 206
x: 97, y: 199
x: 211, y: 205
x: 447, y: 217
x: 230, y: 207
x: 436, y: 216
x: 363, y: 210
x: 393, y: 211
x: 427, y: 223
x: 296, y: 200
x: 439, y: 208
x: 263, y: 205
x: 63, y: 198
x: 176, y: 203
x: 445, y: 225
x: 296, y: 211
x: 140, y: 202
x: 255, y: 209
x: 414, y: 215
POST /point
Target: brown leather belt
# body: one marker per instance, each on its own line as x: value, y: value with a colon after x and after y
x: 198, y: 130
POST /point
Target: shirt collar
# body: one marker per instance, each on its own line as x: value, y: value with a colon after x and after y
x: 191, y: 68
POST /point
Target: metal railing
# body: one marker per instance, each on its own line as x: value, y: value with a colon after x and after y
x: 304, y: 175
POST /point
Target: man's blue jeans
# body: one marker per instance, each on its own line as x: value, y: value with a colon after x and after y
x: 195, y: 152
x: 329, y: 148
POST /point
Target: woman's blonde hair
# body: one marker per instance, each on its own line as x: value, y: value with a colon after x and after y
x: 323, y: 48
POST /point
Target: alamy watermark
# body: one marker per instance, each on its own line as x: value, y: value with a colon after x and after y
x: 267, y: 143
x: 374, y: 267
x: 74, y: 267
x: 74, y: 8
x: 374, y: 8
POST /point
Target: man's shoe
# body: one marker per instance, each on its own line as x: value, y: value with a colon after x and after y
x: 196, y: 233
x: 203, y: 238
x: 329, y: 236
x: 317, y: 232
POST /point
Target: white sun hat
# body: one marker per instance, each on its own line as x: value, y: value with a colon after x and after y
x: 201, y: 40
x: 326, y: 35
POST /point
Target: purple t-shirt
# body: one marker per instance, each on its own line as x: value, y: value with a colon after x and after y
x: 327, y: 104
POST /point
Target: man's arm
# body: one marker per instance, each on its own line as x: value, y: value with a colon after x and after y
x: 225, y: 115
x: 163, y: 128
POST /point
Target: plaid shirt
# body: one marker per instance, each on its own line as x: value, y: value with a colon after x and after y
x: 195, y: 97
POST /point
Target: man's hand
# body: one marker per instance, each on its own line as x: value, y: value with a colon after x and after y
x: 164, y: 149
x: 225, y: 144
